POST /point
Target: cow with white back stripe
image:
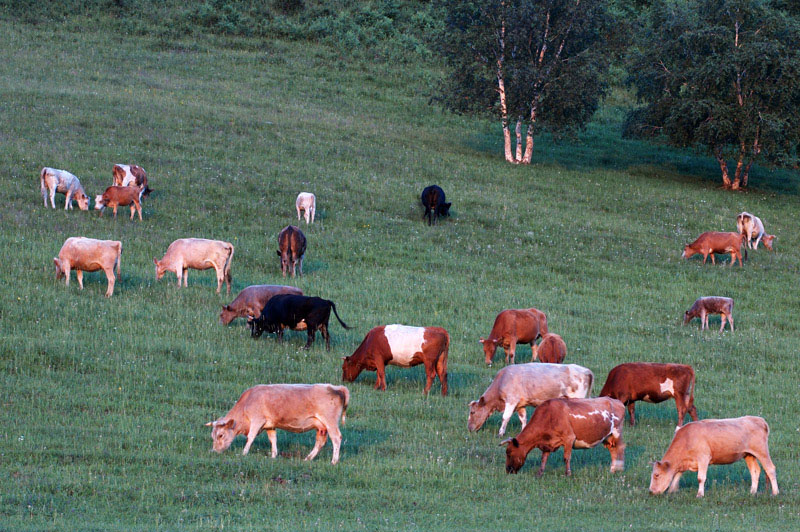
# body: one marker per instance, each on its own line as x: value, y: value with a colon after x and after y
x: 404, y: 346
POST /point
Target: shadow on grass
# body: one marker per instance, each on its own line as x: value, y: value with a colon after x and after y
x: 298, y: 445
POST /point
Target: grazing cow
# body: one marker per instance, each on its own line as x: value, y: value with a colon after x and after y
x: 710, y: 305
x: 251, y: 301
x: 198, y: 254
x: 292, y: 407
x: 291, y: 248
x: 752, y: 227
x: 87, y: 254
x: 435, y: 206
x: 120, y: 197
x: 578, y: 423
x: 400, y: 345
x: 511, y: 327
x: 552, y: 349
x: 715, y: 441
x: 52, y: 180
x: 515, y: 387
x: 295, y: 312
x: 126, y: 175
x: 306, y: 202
x: 652, y: 383
x: 712, y: 242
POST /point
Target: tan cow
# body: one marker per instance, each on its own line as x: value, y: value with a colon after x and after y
x: 698, y: 444
x: 306, y: 202
x: 251, y: 301
x: 198, y: 254
x: 292, y: 407
x: 52, y: 180
x: 87, y: 254
x: 512, y: 327
x: 712, y: 242
x: 120, y: 197
x: 704, y: 306
x: 552, y: 349
x: 515, y: 387
x: 570, y: 423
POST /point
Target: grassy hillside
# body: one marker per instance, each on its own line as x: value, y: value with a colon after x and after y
x: 104, y: 401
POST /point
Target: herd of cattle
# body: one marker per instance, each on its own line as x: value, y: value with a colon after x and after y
x: 564, y: 415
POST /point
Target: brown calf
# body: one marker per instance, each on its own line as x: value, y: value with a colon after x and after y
x: 552, y: 349
x: 568, y: 423
x: 400, y: 345
x: 251, y: 301
x: 291, y: 248
x: 715, y: 441
x: 511, y: 327
x: 712, y: 242
x: 115, y: 196
x: 652, y: 383
x: 710, y: 305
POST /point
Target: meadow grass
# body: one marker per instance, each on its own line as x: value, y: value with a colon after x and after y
x: 104, y: 401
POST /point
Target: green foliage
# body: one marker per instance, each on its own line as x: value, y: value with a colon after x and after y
x: 722, y: 76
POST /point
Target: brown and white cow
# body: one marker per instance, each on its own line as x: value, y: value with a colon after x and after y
x: 291, y: 249
x: 712, y: 242
x: 127, y: 175
x: 753, y: 228
x: 552, y: 349
x: 292, y: 407
x: 198, y: 254
x: 87, y: 254
x: 515, y: 387
x: 250, y: 301
x: 404, y: 346
x: 570, y: 423
x: 120, y: 197
x: 704, y: 306
x: 512, y: 327
x: 715, y: 441
x: 652, y: 383
x: 52, y: 180
x: 306, y: 202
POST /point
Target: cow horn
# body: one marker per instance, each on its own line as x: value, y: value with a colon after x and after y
x: 505, y: 442
x: 210, y: 424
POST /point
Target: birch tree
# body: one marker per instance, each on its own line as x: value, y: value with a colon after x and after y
x: 531, y: 64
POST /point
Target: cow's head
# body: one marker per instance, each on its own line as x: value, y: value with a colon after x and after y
x: 767, y: 240
x: 83, y: 200
x: 257, y: 326
x: 98, y: 202
x: 222, y: 434
x: 227, y: 315
x: 350, y: 369
x: 478, y: 414
x: 687, y: 317
x: 444, y: 209
x: 59, y: 269
x: 489, y: 348
x: 160, y: 269
x: 687, y: 251
x: 661, y: 477
x: 515, y: 456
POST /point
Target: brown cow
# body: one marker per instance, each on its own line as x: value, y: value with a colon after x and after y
x: 653, y: 383
x: 511, y: 327
x: 87, y: 254
x: 710, y: 305
x: 198, y: 254
x: 715, y: 441
x: 400, y: 345
x: 552, y: 349
x: 291, y: 248
x: 515, y: 387
x: 120, y: 197
x: 292, y: 407
x: 578, y: 423
x: 712, y: 242
x: 126, y: 175
x: 52, y: 180
x: 251, y: 301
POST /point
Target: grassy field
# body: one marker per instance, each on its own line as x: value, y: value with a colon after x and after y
x: 104, y: 401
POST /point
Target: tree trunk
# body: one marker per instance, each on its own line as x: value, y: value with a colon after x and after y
x: 526, y: 159
x: 501, y: 90
x: 746, y: 173
x: 737, y: 177
x: 723, y: 166
x: 507, y: 142
x: 518, y: 155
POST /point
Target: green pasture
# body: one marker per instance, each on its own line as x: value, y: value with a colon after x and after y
x: 104, y: 400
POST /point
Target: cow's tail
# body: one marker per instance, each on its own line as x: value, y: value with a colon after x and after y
x: 344, y: 395
x: 227, y: 268
x: 591, y: 382
x: 119, y: 257
x: 333, y: 306
x: 743, y: 240
x: 42, y: 186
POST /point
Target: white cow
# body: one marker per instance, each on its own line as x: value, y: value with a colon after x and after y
x: 307, y: 202
x: 52, y: 180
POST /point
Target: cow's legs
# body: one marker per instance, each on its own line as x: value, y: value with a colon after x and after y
x: 545, y: 456
x: 323, y: 329
x: 511, y: 352
x: 272, y: 434
x: 769, y: 470
x: 185, y: 276
x: 298, y: 212
x: 702, y: 470
x: 255, y: 428
x: 631, y: 410
x: 568, y: 454
x: 523, y: 416
x: 322, y: 437
x: 66, y: 272
x: 312, y: 332
x: 755, y: 471
x: 380, y: 370
x: 441, y: 370
x: 722, y: 319
x: 115, y: 210
x: 68, y: 200
x: 430, y: 373
x: 336, y: 441
x: 53, y: 197
x: 301, y: 265
x: 44, y: 194
x: 110, y: 277
x: 220, y: 277
x: 79, y: 276
x: 616, y: 448
x: 313, y: 212
x: 675, y: 483
x: 508, y: 411
x: 730, y: 321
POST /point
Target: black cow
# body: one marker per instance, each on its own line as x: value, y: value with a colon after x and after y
x: 298, y: 313
x: 433, y: 201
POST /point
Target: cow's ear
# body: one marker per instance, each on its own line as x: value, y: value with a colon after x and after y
x: 504, y: 442
x: 664, y: 464
x: 155, y: 261
x: 228, y: 424
x: 210, y: 424
x: 514, y: 442
x: 481, y: 401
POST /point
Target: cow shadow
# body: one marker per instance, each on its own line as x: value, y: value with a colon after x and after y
x: 291, y: 444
